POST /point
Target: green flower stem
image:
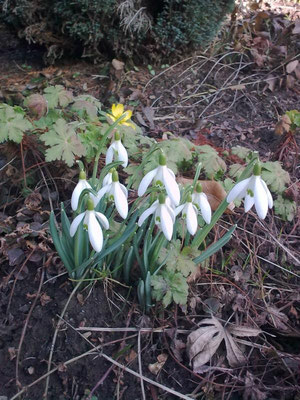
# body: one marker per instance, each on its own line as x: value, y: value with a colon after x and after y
x: 102, y: 141
x: 201, y: 235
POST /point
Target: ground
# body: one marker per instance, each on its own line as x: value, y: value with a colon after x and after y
x: 222, y: 101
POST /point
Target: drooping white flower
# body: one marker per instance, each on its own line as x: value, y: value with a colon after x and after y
x: 107, y: 180
x: 92, y: 220
x: 117, y: 193
x: 161, y: 176
x: 117, y: 152
x: 164, y: 216
x: 200, y: 200
x: 81, y: 185
x: 255, y: 192
x: 189, y: 212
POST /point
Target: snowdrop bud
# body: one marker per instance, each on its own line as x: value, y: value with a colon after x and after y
x: 161, y: 198
x: 90, y: 204
x: 82, y: 175
x: 162, y: 159
x: 199, y: 188
x: 115, y: 176
x: 257, y: 169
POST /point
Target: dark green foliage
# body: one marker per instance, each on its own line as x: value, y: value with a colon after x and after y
x: 193, y: 23
x: 124, y: 28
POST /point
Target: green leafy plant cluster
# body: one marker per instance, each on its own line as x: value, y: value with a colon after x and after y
x: 67, y: 128
x: 122, y: 28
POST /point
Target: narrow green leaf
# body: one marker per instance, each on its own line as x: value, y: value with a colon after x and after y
x: 128, y: 265
x: 57, y: 243
x: 215, y: 247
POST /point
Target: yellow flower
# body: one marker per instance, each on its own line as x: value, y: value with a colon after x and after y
x: 117, y: 111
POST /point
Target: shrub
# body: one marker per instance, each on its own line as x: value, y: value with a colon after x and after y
x: 125, y: 28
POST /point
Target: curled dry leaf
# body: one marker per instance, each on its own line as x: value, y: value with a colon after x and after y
x: 283, y: 125
x: 203, y: 343
x: 214, y: 191
x: 156, y: 367
x: 292, y: 66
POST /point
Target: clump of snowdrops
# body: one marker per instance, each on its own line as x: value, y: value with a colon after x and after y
x: 109, y: 237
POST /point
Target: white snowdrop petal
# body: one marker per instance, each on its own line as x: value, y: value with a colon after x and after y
x: 124, y: 189
x: 166, y: 222
x: 171, y: 186
x: 171, y: 172
x: 120, y: 200
x: 75, y: 224
x: 95, y: 232
x: 147, y: 212
x: 179, y: 209
x: 110, y: 154
x: 107, y: 179
x: 145, y: 182
x: 122, y: 153
x: 171, y: 212
x: 81, y: 185
x: 248, y: 202
x: 237, y: 191
x: 205, y: 207
x: 102, y: 219
x: 191, y: 219
x: 260, y: 198
x: 103, y: 191
x: 269, y: 196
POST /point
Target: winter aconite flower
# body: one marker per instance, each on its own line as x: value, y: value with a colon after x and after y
x: 117, y: 193
x: 200, y: 200
x: 189, y: 212
x: 255, y: 191
x: 92, y: 221
x: 117, y: 111
x: 117, y: 152
x: 162, y: 176
x: 164, y: 216
x: 81, y: 185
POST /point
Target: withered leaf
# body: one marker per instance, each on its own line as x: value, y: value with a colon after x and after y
x: 203, y: 343
x: 291, y: 66
x: 214, y: 191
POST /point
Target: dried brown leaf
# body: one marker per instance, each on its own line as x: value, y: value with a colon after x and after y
x: 283, y: 125
x: 204, y: 342
x: 214, y: 191
x: 296, y: 29
x: 242, y: 331
x: 291, y: 66
x: 156, y: 367
x: 234, y: 354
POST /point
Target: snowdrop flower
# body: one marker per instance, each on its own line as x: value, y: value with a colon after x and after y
x: 189, y: 212
x: 117, y: 193
x: 164, y: 216
x: 117, y: 111
x: 107, y: 180
x: 92, y: 221
x: 162, y: 176
x: 117, y: 152
x: 81, y: 185
x: 200, y: 200
x: 255, y: 191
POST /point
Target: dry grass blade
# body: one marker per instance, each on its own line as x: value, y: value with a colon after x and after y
x: 203, y: 343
